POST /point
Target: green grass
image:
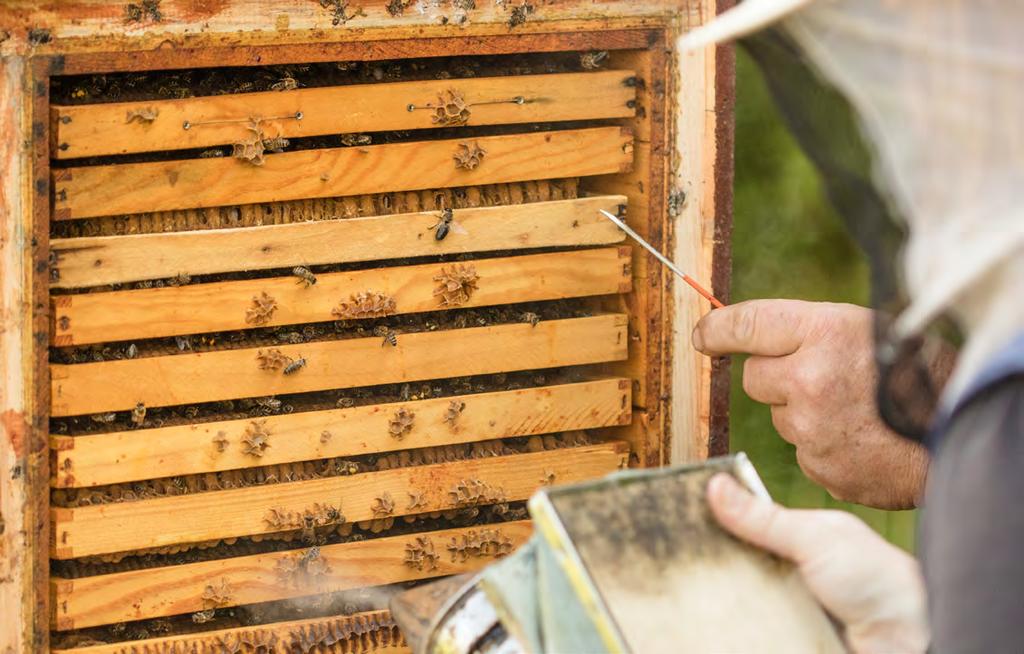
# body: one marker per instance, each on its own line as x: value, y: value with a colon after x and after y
x: 787, y: 242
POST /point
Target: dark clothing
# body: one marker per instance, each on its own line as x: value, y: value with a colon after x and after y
x: 972, y: 528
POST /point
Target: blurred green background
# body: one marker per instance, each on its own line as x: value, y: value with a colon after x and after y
x: 787, y: 242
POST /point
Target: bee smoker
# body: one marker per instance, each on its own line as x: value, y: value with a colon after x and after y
x: 633, y: 562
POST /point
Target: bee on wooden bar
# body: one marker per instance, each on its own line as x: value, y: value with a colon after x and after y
x: 446, y: 224
x: 295, y: 366
x: 305, y: 276
x: 388, y: 334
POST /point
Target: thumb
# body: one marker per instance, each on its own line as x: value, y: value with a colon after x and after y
x: 771, y: 328
x: 759, y: 521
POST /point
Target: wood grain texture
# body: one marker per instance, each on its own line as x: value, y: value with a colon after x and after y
x: 125, y: 526
x: 24, y: 236
x: 94, y: 32
x: 231, y: 374
x: 173, y: 590
x: 98, y: 260
x: 190, y: 449
x: 86, y: 191
x: 101, y: 129
x: 222, y: 306
x: 379, y: 636
x: 695, y: 154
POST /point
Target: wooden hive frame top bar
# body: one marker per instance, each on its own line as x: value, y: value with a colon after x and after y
x: 231, y: 374
x: 191, y: 449
x: 101, y: 129
x: 222, y: 306
x: 86, y: 191
x: 98, y: 260
x: 173, y: 590
x: 102, y: 529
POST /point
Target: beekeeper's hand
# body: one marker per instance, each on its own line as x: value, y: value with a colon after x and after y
x: 813, y: 363
x: 873, y: 588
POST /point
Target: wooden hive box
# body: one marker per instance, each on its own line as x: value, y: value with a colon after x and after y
x: 301, y: 300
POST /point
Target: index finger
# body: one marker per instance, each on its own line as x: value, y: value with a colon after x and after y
x: 771, y: 328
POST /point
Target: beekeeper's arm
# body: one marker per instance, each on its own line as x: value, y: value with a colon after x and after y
x: 813, y: 363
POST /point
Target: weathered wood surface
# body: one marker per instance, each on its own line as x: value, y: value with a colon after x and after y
x: 24, y: 461
x: 190, y: 449
x: 222, y: 306
x: 97, y: 31
x: 101, y: 529
x: 359, y: 633
x: 98, y: 260
x: 230, y: 374
x: 85, y: 191
x: 697, y: 138
x: 101, y: 129
x: 173, y: 590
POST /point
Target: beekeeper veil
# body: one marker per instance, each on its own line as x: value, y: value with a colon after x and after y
x: 913, y: 113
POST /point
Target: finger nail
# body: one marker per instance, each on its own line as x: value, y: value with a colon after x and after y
x: 727, y: 495
x: 697, y: 339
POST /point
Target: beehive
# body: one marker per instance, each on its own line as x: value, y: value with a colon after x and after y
x: 302, y: 300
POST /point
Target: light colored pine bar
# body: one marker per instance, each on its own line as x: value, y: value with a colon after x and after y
x: 190, y: 449
x: 178, y: 589
x: 101, y: 129
x: 230, y: 374
x: 222, y: 306
x: 86, y: 191
x: 370, y: 632
x: 102, y: 529
x: 98, y: 260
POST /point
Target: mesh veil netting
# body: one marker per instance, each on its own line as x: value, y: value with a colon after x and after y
x: 913, y: 113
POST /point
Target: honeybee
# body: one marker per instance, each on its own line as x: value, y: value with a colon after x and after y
x: 305, y: 276
x: 139, y: 414
x: 104, y: 418
x: 446, y: 222
x: 295, y: 366
x: 202, y: 617
x: 531, y: 318
x: 132, y: 351
x: 593, y: 60
x: 268, y: 404
x: 350, y: 140
x: 285, y: 84
x: 390, y: 337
